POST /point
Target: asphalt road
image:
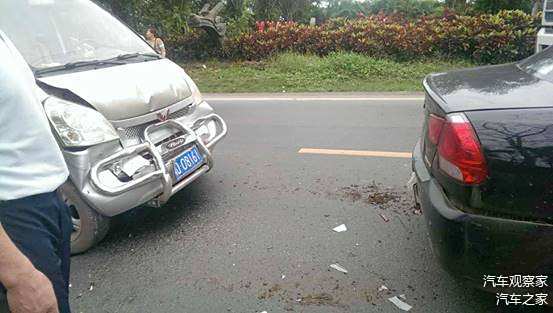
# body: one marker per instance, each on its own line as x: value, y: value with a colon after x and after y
x: 256, y: 235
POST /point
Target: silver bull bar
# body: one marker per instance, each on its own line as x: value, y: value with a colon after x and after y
x: 161, y: 172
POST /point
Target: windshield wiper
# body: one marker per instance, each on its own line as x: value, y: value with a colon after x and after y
x: 74, y: 65
x: 127, y: 56
x: 113, y: 61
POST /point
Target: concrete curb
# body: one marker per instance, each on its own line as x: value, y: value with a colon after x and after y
x: 315, y: 95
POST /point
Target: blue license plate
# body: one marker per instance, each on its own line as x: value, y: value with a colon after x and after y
x: 186, y: 163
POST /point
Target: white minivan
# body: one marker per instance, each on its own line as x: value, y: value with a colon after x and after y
x: 133, y: 127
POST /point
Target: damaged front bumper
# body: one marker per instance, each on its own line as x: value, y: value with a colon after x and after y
x: 143, y: 173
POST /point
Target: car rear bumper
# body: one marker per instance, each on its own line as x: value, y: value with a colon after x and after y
x: 544, y: 39
x: 470, y: 246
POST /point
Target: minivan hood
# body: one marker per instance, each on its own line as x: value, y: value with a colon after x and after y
x: 491, y: 87
x: 127, y: 91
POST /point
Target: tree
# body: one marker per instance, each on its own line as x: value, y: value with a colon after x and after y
x: 236, y: 8
x: 265, y: 9
x: 288, y: 9
x: 409, y: 8
x: 345, y: 8
x: 536, y: 7
x: 494, y: 6
x: 294, y: 9
x: 458, y: 5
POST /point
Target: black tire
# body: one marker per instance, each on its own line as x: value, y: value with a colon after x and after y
x: 90, y: 227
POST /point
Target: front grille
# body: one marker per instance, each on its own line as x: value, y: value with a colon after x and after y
x: 180, y: 113
x: 134, y: 135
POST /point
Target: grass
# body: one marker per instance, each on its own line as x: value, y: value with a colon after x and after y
x: 339, y: 72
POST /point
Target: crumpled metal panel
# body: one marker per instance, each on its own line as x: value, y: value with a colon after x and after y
x: 127, y: 91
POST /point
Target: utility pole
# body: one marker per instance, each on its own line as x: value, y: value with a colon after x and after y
x: 536, y: 7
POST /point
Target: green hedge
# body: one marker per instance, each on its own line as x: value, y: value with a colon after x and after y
x: 504, y: 37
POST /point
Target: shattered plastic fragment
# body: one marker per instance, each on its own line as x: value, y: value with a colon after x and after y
x: 382, y: 288
x: 402, y: 296
x: 340, y: 229
x: 384, y: 218
x: 400, y: 304
x: 131, y: 166
x: 339, y: 268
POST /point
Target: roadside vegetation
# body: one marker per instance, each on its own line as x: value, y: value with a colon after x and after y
x: 337, y: 72
x: 337, y: 45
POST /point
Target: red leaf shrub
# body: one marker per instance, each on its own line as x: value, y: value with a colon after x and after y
x: 503, y: 37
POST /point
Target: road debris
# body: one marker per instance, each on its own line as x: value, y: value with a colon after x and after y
x: 340, y: 229
x: 400, y: 304
x: 339, y: 268
x: 318, y: 299
x: 381, y: 198
x: 91, y: 287
x: 382, y: 288
x: 275, y: 290
x: 384, y: 218
x: 283, y: 276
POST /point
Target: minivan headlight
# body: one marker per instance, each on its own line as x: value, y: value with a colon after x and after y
x: 196, y: 94
x: 77, y: 125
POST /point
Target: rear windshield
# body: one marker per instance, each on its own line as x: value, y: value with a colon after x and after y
x: 56, y: 32
x: 540, y: 64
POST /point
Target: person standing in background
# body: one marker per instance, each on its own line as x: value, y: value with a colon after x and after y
x: 35, y: 224
x: 155, y: 42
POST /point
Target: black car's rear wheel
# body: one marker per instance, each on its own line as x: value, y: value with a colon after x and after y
x: 89, y: 227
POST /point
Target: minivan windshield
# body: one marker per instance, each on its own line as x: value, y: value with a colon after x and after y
x: 50, y: 33
x: 540, y: 65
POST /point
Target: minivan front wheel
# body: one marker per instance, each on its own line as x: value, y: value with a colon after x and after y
x: 89, y: 227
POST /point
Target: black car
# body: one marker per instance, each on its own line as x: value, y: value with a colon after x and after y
x: 484, y: 169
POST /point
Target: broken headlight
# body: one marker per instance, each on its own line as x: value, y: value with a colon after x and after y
x: 77, y: 125
x: 196, y: 94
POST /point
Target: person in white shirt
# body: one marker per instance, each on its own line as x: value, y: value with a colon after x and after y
x: 155, y: 42
x: 35, y: 225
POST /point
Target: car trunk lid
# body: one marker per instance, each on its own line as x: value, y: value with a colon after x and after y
x: 489, y: 88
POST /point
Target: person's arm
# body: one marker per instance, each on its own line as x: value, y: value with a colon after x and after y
x: 161, y: 46
x: 28, y: 290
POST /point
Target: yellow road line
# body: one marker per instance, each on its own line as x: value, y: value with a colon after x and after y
x: 357, y: 153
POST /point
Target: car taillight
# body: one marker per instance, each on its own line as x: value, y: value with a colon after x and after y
x: 459, y: 153
x: 435, y: 125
